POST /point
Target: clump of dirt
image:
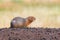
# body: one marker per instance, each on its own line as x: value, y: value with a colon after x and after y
x: 30, y: 34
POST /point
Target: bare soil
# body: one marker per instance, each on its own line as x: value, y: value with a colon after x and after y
x: 30, y: 34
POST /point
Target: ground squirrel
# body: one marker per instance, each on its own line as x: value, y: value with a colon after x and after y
x: 19, y: 22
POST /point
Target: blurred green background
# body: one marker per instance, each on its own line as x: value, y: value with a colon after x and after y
x: 47, y: 12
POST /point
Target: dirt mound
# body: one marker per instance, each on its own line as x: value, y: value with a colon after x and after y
x: 29, y: 34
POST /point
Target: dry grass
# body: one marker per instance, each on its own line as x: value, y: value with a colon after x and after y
x: 46, y: 16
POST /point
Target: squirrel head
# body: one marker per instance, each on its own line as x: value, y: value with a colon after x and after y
x: 31, y: 18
